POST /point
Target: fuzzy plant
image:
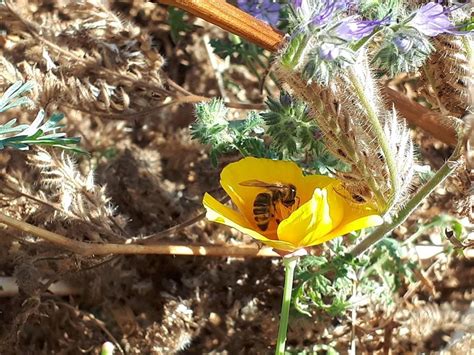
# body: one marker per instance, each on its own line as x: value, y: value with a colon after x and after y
x: 329, y: 65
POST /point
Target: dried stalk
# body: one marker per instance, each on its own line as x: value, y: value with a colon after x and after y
x: 240, y: 23
x: 89, y: 249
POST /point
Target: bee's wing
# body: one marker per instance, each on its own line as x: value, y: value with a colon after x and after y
x: 258, y: 183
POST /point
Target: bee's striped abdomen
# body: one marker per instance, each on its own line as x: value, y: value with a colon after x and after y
x: 262, y: 210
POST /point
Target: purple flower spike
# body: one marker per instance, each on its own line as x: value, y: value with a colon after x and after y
x: 431, y: 20
x: 325, y: 15
x: 265, y: 10
x: 353, y: 30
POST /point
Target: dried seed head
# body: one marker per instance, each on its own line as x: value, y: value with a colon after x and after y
x: 449, y: 73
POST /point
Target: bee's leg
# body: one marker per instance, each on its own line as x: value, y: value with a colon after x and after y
x: 277, y: 213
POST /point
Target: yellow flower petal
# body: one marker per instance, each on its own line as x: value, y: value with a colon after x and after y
x: 333, y: 213
x: 357, y: 224
x: 354, y: 217
x: 219, y: 213
x: 314, y: 219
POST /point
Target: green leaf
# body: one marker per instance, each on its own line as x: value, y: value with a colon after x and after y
x: 23, y: 136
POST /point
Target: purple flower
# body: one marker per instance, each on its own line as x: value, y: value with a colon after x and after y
x: 431, y: 20
x: 297, y: 3
x: 329, y: 51
x: 403, y: 43
x: 352, y: 29
x: 325, y: 15
x: 265, y: 10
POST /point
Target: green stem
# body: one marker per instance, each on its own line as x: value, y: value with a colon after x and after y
x: 378, y: 130
x: 448, y: 167
x: 291, y: 58
x: 290, y: 264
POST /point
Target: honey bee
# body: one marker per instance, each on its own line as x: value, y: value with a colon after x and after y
x: 265, y: 203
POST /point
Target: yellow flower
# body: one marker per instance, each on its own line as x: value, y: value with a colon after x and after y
x: 319, y: 212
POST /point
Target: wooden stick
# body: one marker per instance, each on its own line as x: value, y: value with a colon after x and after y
x: 89, y: 249
x: 232, y: 19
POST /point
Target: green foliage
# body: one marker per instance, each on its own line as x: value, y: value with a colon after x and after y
x: 295, y: 136
x: 467, y: 25
x: 386, y: 263
x: 23, y: 136
x: 285, y: 131
x: 178, y: 24
x: 241, y: 51
x: 13, y: 97
x: 290, y: 126
x: 326, y: 283
x: 213, y: 128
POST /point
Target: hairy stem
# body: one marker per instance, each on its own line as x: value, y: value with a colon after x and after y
x: 378, y: 130
x: 290, y: 264
x: 448, y: 167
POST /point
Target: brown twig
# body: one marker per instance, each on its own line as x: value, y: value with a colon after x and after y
x: 188, y: 98
x: 88, y: 249
x: 231, y: 19
x: 421, y: 116
x: 240, y: 23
